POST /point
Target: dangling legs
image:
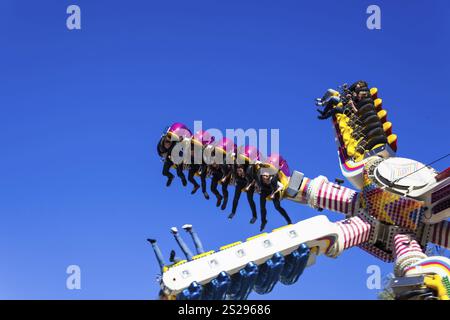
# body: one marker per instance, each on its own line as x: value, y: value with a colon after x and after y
x: 237, y: 195
x: 203, y: 174
x: 181, y: 243
x: 195, y: 238
x: 166, y: 171
x: 173, y: 258
x: 158, y: 253
x: 181, y: 174
x: 262, y: 204
x: 214, y: 182
x: 280, y: 209
x: 225, y: 194
x: 252, y: 204
x: 193, y: 169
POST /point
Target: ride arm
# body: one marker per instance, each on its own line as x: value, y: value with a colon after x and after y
x: 419, y: 277
x: 319, y: 193
x: 316, y: 236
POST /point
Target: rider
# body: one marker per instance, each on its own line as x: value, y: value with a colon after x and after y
x: 244, y: 179
x: 356, y: 92
x: 165, y: 147
x: 358, y: 84
x: 221, y: 169
x: 361, y: 94
x: 200, y: 140
x: 174, y: 134
x: 215, y: 171
x: 330, y: 110
x: 270, y: 186
x: 359, y: 91
x: 329, y: 101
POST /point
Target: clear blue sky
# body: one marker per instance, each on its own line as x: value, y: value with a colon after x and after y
x: 81, y: 111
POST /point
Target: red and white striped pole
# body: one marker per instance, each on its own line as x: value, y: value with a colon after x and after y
x: 354, y: 231
x: 407, y: 252
x: 332, y: 196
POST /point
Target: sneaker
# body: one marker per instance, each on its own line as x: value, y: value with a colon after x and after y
x: 231, y: 215
x: 195, y: 189
x: 152, y: 241
x: 219, y: 200
x: 224, y: 205
x: 169, y: 181
x: 174, y: 230
x: 187, y: 227
x: 172, y: 256
x: 263, y: 225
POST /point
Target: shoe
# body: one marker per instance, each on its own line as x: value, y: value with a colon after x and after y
x: 187, y: 227
x: 253, y: 220
x: 152, y: 241
x: 206, y: 195
x: 174, y: 230
x: 231, y: 215
x: 195, y: 189
x: 169, y: 181
x: 219, y: 200
x: 184, y: 182
x: 263, y: 225
x: 224, y: 205
x: 172, y: 256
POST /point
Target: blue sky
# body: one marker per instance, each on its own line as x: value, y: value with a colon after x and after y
x: 81, y: 112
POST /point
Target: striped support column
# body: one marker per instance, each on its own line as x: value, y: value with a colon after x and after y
x: 354, y: 232
x: 407, y: 252
x: 334, y: 197
x: 440, y: 234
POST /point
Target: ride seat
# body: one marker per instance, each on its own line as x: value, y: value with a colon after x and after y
x: 387, y: 128
x: 378, y: 104
x: 382, y: 114
x: 374, y: 93
x: 392, y: 141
